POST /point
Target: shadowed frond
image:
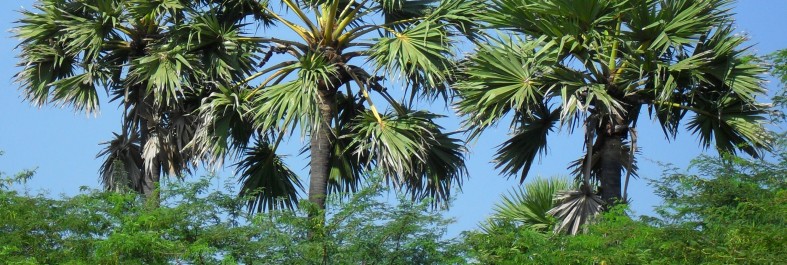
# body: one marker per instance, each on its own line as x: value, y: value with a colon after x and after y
x: 266, y: 180
x: 731, y: 125
x: 122, y: 166
x: 517, y: 154
x: 575, y: 208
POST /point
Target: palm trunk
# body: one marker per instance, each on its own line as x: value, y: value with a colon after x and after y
x: 610, y: 173
x: 321, y: 150
x: 150, y: 179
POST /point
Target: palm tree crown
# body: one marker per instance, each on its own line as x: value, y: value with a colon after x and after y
x: 600, y: 63
x: 196, y: 86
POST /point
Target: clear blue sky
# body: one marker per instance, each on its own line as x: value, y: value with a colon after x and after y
x: 63, y: 144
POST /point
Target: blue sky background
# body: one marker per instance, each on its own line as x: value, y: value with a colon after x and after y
x: 63, y: 144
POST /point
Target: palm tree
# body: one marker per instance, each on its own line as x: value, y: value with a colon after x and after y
x: 157, y: 59
x: 195, y: 87
x: 320, y: 84
x: 598, y: 64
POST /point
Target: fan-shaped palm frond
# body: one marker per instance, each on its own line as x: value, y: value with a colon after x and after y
x: 575, y: 208
x: 122, y: 166
x: 733, y: 126
x: 266, y: 180
x: 518, y: 153
x: 529, y: 205
x: 412, y: 153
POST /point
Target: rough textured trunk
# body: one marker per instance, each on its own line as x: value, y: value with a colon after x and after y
x: 320, y: 141
x: 150, y: 178
x: 610, y: 173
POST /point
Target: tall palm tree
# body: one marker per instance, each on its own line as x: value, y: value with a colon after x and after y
x: 598, y: 64
x: 320, y: 84
x: 157, y: 59
x: 196, y: 87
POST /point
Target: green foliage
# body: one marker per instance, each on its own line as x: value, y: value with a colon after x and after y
x: 528, y: 206
x: 199, y: 224
x: 733, y: 211
x: 779, y: 70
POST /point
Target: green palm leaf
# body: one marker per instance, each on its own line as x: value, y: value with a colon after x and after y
x: 122, y: 166
x: 518, y: 153
x: 265, y: 180
x: 412, y: 153
x: 419, y: 55
x: 529, y: 205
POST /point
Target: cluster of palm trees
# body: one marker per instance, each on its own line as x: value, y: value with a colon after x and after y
x: 201, y: 82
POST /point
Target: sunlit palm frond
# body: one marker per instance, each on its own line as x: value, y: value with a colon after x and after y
x: 412, y: 153
x: 420, y: 56
x: 528, y: 205
x: 265, y: 180
x: 731, y: 125
x: 554, y: 18
x: 223, y: 129
x: 219, y: 45
x: 162, y: 73
x: 151, y: 10
x: 78, y: 92
x: 500, y: 77
x: 295, y: 102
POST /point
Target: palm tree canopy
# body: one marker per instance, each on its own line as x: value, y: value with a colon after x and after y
x: 197, y: 85
x: 558, y: 63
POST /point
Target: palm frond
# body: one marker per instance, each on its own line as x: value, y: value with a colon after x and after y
x: 412, y: 153
x: 575, y: 208
x: 529, y: 205
x: 163, y: 72
x: 122, y: 166
x: 732, y: 125
x: 224, y: 128
x: 500, y: 77
x: 266, y: 181
x: 517, y: 154
x: 419, y: 56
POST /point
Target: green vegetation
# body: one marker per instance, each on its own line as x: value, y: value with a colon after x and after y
x: 197, y: 89
x: 199, y: 223
x: 732, y: 211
